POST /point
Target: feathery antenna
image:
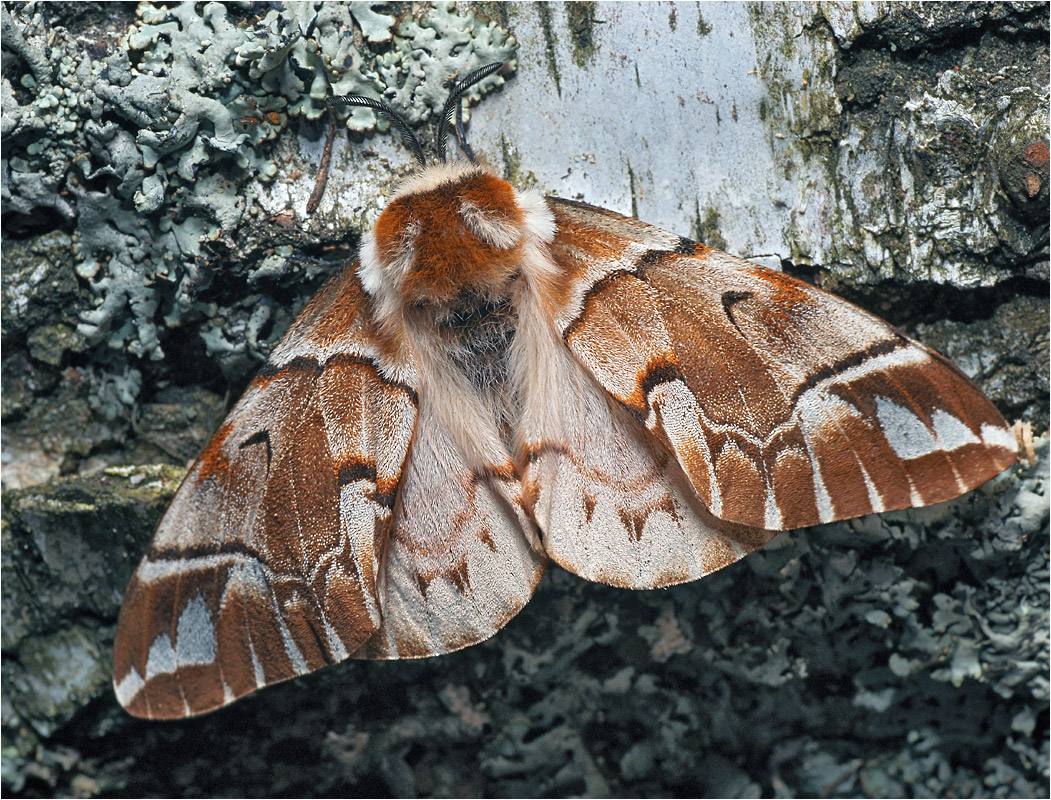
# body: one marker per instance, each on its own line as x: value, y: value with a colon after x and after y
x: 458, y: 89
x: 407, y: 136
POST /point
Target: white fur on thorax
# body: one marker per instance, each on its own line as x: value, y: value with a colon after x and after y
x: 450, y: 398
x: 381, y: 279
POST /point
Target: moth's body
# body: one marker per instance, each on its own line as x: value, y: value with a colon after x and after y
x: 453, y: 310
x: 503, y: 379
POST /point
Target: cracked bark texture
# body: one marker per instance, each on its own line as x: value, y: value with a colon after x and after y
x: 894, y: 153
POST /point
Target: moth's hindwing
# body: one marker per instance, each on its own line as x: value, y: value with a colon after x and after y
x: 463, y: 557
x: 611, y: 500
x: 784, y: 405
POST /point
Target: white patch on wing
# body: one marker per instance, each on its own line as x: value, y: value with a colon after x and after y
x: 128, y: 686
x: 335, y: 644
x: 195, y: 634
x: 875, y: 500
x: 158, y: 569
x: 299, y: 663
x: 358, y: 515
x: 950, y: 432
x: 257, y: 668
x: 773, y: 513
x: 161, y: 658
x: 906, y: 433
x: 812, y: 413
x: 995, y: 436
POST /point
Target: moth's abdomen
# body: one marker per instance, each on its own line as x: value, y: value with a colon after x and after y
x: 477, y: 332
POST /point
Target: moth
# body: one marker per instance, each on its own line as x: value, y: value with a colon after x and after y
x: 503, y: 379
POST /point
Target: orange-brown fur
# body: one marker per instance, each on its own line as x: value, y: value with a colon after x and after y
x: 449, y: 257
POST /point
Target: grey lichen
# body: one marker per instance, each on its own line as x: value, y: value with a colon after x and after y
x: 152, y: 151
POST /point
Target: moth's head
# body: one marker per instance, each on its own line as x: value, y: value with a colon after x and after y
x: 453, y: 228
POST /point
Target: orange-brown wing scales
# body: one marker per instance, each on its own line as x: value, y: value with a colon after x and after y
x: 462, y: 558
x: 874, y: 421
x: 784, y: 405
x: 613, y: 505
x: 265, y: 565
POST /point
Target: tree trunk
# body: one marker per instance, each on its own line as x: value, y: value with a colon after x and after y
x: 157, y: 166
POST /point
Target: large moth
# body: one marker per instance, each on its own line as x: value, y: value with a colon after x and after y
x: 502, y: 379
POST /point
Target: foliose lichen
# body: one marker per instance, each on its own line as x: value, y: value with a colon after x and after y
x: 149, y: 151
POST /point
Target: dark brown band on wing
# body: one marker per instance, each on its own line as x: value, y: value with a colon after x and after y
x: 658, y: 371
x: 310, y: 365
x: 688, y: 247
x: 638, y: 270
x: 303, y: 364
x: 685, y: 247
x: 260, y: 437
x: 504, y: 472
x: 358, y: 470
x: 227, y: 548
x: 531, y: 453
x: 855, y: 359
x: 596, y: 288
x: 352, y: 471
x: 728, y: 300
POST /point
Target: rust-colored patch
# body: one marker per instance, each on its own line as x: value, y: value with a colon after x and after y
x: 788, y: 294
x: 335, y: 310
x: 1037, y: 155
x: 633, y: 521
x: 448, y: 257
x: 212, y: 463
x: 590, y: 501
x: 743, y: 488
x: 717, y: 555
x: 503, y: 472
x: 576, y: 242
x: 485, y: 536
x: 422, y: 582
x: 792, y: 479
x: 455, y: 573
x: 459, y: 577
x: 343, y: 594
